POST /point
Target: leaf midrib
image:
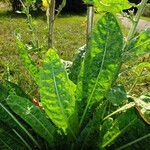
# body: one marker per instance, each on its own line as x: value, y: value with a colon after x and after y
x: 89, y: 100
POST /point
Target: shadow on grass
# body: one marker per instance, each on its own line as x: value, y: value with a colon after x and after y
x: 11, y: 14
x: 35, y: 14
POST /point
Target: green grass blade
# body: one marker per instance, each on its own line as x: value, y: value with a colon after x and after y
x: 33, y: 116
x: 101, y: 63
x: 57, y: 93
x: 19, y: 124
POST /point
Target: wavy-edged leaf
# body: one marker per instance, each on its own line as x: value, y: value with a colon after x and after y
x: 140, y: 44
x: 33, y: 116
x: 57, y: 93
x: 101, y: 63
x: 114, y: 6
x: 26, y: 60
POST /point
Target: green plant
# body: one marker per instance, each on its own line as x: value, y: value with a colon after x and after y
x: 90, y: 113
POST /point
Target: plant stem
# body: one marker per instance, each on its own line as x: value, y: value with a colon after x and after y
x: 90, y: 15
x: 136, y: 20
x: 51, y: 15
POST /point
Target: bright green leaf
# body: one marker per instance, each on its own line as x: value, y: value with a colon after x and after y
x: 101, y: 63
x: 57, y: 93
x: 26, y: 60
x: 114, y: 6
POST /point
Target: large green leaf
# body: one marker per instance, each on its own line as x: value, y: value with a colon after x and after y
x: 7, y: 87
x: 26, y: 60
x: 114, y: 6
x: 101, y: 63
x: 33, y: 116
x: 57, y: 93
x: 140, y: 44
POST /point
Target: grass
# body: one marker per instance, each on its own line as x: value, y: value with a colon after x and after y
x: 69, y: 35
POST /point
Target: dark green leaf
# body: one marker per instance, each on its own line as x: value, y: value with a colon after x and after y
x: 9, y: 140
x: 91, y: 132
x: 8, y: 117
x: 76, y: 66
x: 33, y: 116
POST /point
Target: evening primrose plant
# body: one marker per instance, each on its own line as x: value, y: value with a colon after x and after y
x: 84, y: 109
